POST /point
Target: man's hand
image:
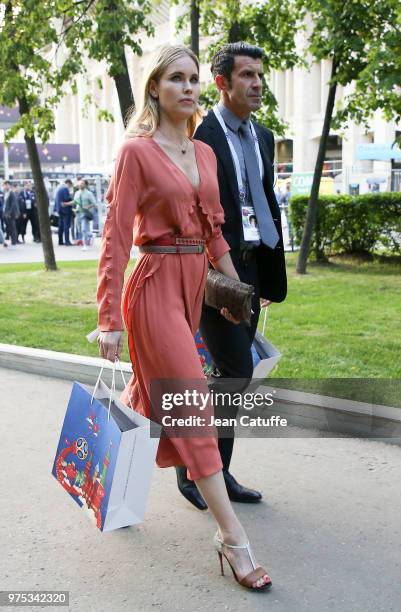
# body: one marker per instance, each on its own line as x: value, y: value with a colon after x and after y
x: 110, y: 345
x: 264, y: 303
x: 227, y: 314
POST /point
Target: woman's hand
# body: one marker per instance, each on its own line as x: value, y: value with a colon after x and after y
x: 110, y: 345
x: 225, y: 266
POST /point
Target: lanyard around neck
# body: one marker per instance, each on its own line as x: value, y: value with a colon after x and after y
x: 234, y: 155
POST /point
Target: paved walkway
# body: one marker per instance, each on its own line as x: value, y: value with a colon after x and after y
x: 33, y: 252
x: 328, y: 530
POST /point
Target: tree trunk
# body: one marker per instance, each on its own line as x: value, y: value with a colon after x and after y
x: 42, y: 199
x: 124, y: 91
x: 234, y: 32
x: 313, y: 199
x: 195, y: 27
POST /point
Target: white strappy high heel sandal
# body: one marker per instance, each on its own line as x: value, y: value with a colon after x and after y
x: 256, y: 574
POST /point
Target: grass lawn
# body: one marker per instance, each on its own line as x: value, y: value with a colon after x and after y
x: 339, y: 320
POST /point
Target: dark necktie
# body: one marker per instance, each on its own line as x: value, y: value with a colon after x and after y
x: 268, y: 232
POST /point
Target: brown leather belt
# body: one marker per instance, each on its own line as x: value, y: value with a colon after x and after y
x: 173, y: 245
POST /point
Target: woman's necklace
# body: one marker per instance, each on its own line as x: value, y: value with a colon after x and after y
x: 183, y: 145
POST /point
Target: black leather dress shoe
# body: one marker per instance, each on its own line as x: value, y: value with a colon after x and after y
x: 238, y: 493
x: 189, y: 490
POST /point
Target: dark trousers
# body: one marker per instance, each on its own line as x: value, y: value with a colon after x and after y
x: 64, y: 222
x: 230, y: 348
x: 21, y: 226
x: 11, y: 224
x: 32, y: 216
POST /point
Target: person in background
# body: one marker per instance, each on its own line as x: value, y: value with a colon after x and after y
x: 278, y: 193
x: 2, y: 224
x: 11, y: 213
x: 286, y: 196
x: 285, y: 217
x: 85, y: 203
x: 27, y: 203
x: 75, y: 230
x: 22, y: 219
x: 63, y: 205
x: 2, y: 240
x: 95, y: 212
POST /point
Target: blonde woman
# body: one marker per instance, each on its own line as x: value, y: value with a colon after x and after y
x: 164, y: 197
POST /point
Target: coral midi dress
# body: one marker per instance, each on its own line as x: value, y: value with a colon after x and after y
x: 151, y: 197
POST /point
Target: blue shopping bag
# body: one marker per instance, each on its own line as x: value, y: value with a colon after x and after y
x: 105, y: 457
x: 204, y: 355
x: 265, y: 356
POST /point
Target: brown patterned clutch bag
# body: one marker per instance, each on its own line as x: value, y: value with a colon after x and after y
x: 224, y: 292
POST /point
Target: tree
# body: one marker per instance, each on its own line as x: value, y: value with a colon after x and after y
x: 195, y: 26
x: 270, y: 24
x: 104, y: 28
x: 34, y: 80
x: 42, y: 50
x: 344, y: 32
x: 379, y: 84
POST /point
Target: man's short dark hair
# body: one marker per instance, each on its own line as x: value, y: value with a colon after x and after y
x: 6, y: 183
x: 223, y: 60
x: 68, y: 181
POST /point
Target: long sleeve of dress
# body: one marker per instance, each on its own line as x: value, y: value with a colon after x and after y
x: 117, y: 240
x: 217, y: 246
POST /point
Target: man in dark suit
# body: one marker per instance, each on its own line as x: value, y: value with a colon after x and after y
x: 63, y: 204
x: 2, y: 224
x: 27, y: 204
x: 11, y: 212
x: 245, y: 155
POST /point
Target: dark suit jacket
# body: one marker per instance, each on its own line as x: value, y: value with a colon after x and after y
x: 271, y: 262
x: 23, y: 196
x: 11, y: 208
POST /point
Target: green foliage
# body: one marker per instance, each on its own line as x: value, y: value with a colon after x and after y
x: 111, y: 25
x: 270, y: 24
x: 378, y: 84
x: 31, y: 67
x: 351, y: 224
x: 363, y: 36
x: 209, y: 96
x: 43, y: 46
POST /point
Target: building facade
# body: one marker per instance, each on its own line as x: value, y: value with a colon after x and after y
x: 301, y: 96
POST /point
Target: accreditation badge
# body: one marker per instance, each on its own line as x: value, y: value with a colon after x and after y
x: 28, y: 204
x: 249, y: 224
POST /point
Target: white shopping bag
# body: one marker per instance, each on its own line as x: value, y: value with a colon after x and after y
x: 265, y: 358
x: 105, y: 456
x: 134, y: 466
x: 268, y: 355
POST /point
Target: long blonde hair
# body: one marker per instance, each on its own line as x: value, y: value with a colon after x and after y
x: 145, y: 120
